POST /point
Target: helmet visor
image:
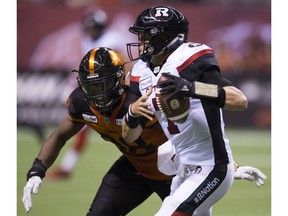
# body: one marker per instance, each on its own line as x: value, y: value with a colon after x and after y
x: 97, y: 87
x: 102, y: 91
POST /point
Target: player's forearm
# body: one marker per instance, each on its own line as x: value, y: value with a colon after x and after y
x: 57, y: 139
x: 130, y: 134
x: 235, y: 99
x: 50, y: 150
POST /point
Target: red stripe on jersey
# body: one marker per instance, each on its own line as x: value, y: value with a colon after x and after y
x: 134, y: 78
x: 180, y: 214
x: 193, y: 58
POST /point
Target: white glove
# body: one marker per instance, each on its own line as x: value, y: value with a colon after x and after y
x: 32, y: 186
x: 250, y: 173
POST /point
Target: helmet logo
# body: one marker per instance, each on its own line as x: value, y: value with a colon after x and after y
x: 91, y: 76
x: 161, y: 12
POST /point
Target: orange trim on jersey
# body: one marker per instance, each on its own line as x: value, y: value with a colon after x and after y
x: 134, y: 78
x: 193, y: 58
x: 91, y: 61
x: 77, y: 120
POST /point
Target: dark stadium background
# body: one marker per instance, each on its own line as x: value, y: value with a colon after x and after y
x: 208, y: 23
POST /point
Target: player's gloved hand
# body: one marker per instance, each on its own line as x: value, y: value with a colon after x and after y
x: 34, y: 181
x: 251, y: 174
x: 176, y: 86
x: 32, y: 186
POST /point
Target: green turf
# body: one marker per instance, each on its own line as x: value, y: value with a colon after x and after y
x: 73, y: 196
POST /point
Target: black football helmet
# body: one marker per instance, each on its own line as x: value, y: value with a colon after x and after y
x: 101, y: 78
x: 159, y: 29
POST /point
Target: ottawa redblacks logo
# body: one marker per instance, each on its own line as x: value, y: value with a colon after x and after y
x: 161, y: 13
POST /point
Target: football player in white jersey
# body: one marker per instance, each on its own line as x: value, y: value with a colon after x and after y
x: 200, y: 154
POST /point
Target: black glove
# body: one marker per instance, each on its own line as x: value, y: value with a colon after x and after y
x: 175, y: 85
x: 179, y: 86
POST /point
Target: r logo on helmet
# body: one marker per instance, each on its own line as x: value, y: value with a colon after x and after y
x: 161, y: 12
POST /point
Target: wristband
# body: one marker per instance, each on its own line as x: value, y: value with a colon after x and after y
x: 209, y: 92
x: 37, y: 169
x: 131, y: 120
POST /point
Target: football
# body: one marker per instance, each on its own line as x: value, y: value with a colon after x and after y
x: 175, y: 109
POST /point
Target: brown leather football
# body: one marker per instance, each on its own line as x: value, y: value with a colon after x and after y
x: 175, y: 109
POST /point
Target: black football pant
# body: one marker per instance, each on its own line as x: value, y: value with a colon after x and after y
x: 123, y: 189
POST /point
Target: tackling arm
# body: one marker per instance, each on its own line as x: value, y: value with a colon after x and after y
x: 57, y: 139
x: 46, y: 156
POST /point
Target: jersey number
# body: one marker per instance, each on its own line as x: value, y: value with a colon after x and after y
x: 140, y: 149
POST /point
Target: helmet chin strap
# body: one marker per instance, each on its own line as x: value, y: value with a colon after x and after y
x: 176, y: 42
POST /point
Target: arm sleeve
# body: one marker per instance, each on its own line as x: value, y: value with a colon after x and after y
x: 214, y: 77
x: 205, y: 69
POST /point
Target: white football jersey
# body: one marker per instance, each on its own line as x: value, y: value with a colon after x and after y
x: 200, y: 140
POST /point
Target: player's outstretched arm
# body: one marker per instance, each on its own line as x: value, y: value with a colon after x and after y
x: 46, y: 157
x: 235, y: 100
x: 251, y: 174
x: 228, y: 97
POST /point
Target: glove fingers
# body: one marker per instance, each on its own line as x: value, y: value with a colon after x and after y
x: 36, y: 184
x: 248, y: 177
x: 167, y: 89
x: 27, y: 201
x: 27, y: 205
x: 166, y: 83
x: 168, y: 75
x: 36, y: 188
x: 259, y: 174
x: 259, y: 182
x: 32, y: 186
x: 172, y: 96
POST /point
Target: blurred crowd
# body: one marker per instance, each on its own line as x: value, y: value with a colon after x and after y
x: 86, y: 2
x: 240, y: 36
x: 243, y: 47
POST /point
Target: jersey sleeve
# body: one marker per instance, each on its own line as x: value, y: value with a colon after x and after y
x: 76, y: 105
x: 205, y: 69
